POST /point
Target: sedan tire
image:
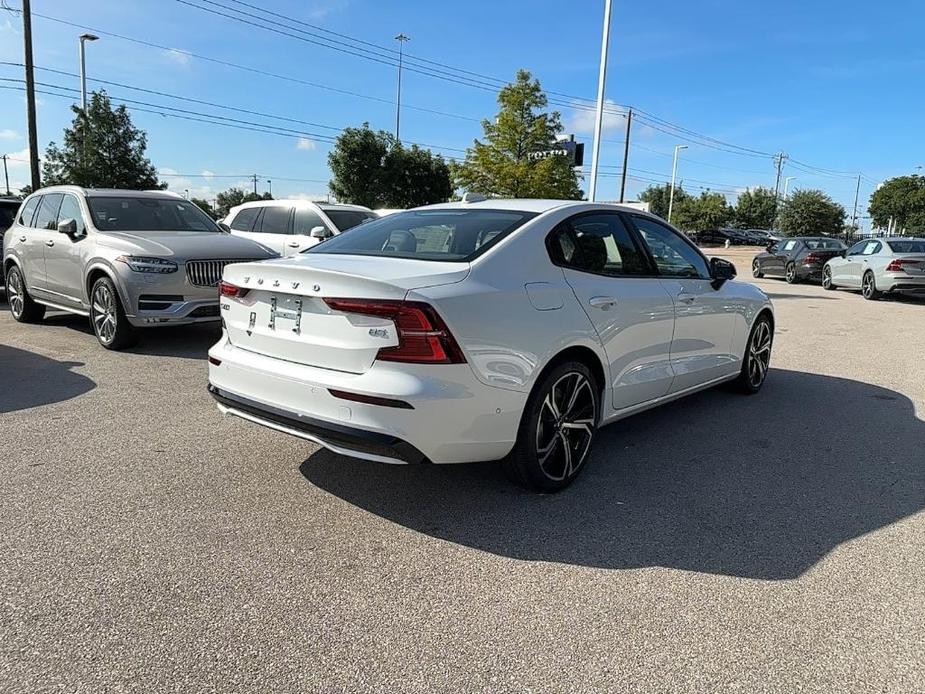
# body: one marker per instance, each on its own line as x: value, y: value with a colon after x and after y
x: 107, y: 316
x: 790, y: 274
x: 23, y: 308
x: 827, y: 282
x: 869, y: 287
x: 556, y: 430
x: 757, y: 358
x: 756, y: 269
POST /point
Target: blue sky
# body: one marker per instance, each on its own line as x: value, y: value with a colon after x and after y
x: 836, y: 85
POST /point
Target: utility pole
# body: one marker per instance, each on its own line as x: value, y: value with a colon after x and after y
x: 599, y: 114
x: 854, y: 217
x: 401, y: 38
x: 674, y: 171
x: 779, y: 160
x: 626, y: 153
x: 270, y: 184
x: 30, y: 94
x: 6, y: 175
x: 254, y: 176
x: 82, y: 39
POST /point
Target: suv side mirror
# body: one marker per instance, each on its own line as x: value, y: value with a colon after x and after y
x: 68, y: 226
x: 721, y: 270
x: 320, y: 232
x: 224, y: 227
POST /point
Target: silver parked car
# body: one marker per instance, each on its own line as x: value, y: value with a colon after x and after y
x: 879, y: 266
x: 127, y: 259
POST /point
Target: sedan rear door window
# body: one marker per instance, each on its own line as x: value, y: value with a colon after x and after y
x: 673, y: 256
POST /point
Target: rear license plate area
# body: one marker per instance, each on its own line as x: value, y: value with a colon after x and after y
x: 286, y: 313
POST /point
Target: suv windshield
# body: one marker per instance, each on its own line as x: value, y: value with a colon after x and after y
x: 148, y: 214
x: 448, y: 234
x: 347, y: 219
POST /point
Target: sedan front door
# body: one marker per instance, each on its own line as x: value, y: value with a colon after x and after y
x: 705, y: 314
x: 630, y: 309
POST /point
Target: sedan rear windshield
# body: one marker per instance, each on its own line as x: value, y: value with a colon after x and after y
x: 448, y: 234
x: 148, y: 214
x: 910, y: 246
x: 824, y: 244
x: 347, y: 219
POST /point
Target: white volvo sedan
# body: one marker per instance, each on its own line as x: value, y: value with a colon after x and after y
x: 497, y: 330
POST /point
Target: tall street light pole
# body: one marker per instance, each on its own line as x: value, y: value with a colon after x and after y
x: 787, y: 184
x: 674, y: 172
x: 401, y: 38
x: 599, y: 115
x: 30, y: 94
x: 83, y: 69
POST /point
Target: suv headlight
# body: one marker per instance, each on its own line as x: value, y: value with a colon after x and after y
x: 143, y: 264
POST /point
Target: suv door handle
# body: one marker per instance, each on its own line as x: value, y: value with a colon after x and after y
x: 687, y: 298
x: 49, y: 242
x: 22, y: 238
x: 602, y: 302
x: 293, y: 244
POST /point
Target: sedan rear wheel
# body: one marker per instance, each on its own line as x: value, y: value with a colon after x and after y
x: 110, y: 325
x: 757, y: 359
x: 756, y: 269
x: 23, y: 308
x: 869, y: 287
x: 556, y: 430
x: 791, y: 274
x: 827, y: 278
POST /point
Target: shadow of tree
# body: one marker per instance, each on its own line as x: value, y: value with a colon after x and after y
x: 29, y: 380
x: 757, y: 487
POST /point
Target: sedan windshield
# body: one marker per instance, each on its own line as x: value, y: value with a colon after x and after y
x: 447, y: 234
x: 148, y: 214
x: 910, y: 246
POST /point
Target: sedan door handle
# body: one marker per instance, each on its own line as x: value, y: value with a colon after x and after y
x: 687, y: 298
x: 49, y: 242
x: 293, y: 244
x: 22, y: 238
x: 602, y: 302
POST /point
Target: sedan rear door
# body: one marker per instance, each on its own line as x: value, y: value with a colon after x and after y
x: 631, y: 311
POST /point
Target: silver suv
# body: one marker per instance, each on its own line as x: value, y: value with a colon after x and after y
x: 127, y: 259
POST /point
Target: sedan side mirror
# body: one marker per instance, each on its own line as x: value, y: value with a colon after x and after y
x: 721, y: 270
x: 320, y: 232
x: 68, y: 226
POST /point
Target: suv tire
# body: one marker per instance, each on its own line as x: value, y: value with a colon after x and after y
x: 23, y: 308
x: 107, y: 317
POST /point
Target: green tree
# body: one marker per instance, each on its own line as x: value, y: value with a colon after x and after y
x: 658, y: 198
x: 811, y: 212
x: 755, y: 209
x: 506, y: 164
x: 233, y: 197
x: 205, y: 207
x: 102, y: 149
x: 708, y: 211
x: 903, y: 199
x: 372, y: 168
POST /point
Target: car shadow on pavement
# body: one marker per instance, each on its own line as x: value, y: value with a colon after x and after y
x: 777, y: 295
x: 30, y: 380
x: 757, y: 487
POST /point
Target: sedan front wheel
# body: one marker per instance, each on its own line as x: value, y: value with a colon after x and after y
x: 827, y: 278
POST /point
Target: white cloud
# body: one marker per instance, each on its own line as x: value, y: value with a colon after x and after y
x: 208, y: 175
x: 18, y: 167
x: 305, y: 143
x: 178, y: 56
x: 7, y: 134
x: 314, y: 197
x: 582, y: 119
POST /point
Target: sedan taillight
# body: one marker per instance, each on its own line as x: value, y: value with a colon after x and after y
x: 232, y: 290
x: 898, y: 264
x: 423, y: 337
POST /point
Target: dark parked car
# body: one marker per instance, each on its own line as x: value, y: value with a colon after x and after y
x: 8, y: 207
x: 797, y: 259
x: 720, y: 236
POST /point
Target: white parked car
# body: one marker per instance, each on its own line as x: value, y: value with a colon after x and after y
x: 501, y: 329
x: 291, y: 226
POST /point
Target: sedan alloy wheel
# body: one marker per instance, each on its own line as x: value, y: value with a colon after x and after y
x: 565, y: 427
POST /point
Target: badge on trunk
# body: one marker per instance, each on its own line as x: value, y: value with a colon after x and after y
x: 250, y: 323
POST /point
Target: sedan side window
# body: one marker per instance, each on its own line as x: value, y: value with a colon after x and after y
x: 872, y: 248
x: 597, y: 243
x: 275, y: 220
x: 857, y: 248
x: 674, y: 257
x: 47, y: 216
x: 789, y: 246
x: 28, y: 211
x: 70, y: 209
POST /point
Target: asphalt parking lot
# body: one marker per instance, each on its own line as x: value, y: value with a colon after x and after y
x: 723, y: 543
